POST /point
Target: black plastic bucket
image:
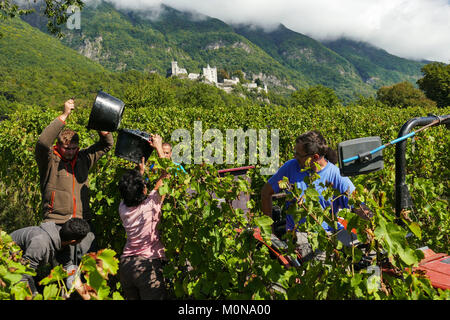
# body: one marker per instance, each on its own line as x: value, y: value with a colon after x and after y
x: 106, y: 113
x: 132, y: 145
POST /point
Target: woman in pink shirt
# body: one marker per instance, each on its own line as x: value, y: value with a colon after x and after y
x: 140, y: 268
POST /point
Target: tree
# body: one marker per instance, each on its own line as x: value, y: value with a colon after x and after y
x: 154, y: 92
x: 222, y: 74
x: 56, y: 11
x: 315, y: 96
x: 10, y: 10
x: 239, y: 74
x: 436, y: 83
x: 259, y: 83
x: 403, y: 94
x: 202, y: 95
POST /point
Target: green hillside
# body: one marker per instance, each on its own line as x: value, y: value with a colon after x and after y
x: 129, y: 40
x: 376, y: 66
x: 124, y: 40
x: 285, y: 60
x: 317, y: 63
x: 35, y: 68
x: 211, y: 41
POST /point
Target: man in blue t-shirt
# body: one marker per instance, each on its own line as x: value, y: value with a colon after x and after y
x: 328, y: 173
x: 311, y: 151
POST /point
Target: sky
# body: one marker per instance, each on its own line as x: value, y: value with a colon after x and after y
x: 413, y: 29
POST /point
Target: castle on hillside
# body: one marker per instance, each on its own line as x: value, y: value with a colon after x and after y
x: 209, y: 75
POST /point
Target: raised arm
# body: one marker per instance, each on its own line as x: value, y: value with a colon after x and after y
x: 50, y: 133
x: 156, y: 142
x: 100, y: 148
x: 69, y: 105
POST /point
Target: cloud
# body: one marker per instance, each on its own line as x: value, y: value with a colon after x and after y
x: 414, y: 29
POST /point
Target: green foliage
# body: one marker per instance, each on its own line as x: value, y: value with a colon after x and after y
x: 209, y: 245
x: 9, y: 10
x: 436, y: 83
x: 314, y: 96
x: 55, y: 12
x: 155, y: 94
x: 96, y: 267
x: 208, y: 257
x: 403, y: 94
x: 12, y: 267
x: 148, y: 41
x: 211, y: 250
x: 334, y: 275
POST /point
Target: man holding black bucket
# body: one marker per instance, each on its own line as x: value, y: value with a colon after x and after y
x: 63, y: 171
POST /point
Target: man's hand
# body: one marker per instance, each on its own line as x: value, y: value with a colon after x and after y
x: 156, y: 142
x: 69, y: 105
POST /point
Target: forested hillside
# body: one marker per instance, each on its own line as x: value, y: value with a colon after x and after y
x: 210, y: 246
x: 36, y: 69
x: 283, y: 59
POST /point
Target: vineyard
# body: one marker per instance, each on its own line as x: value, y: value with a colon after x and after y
x: 208, y: 257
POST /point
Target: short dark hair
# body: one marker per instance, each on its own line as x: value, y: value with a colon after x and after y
x: 131, y: 188
x: 74, y: 229
x: 314, y: 142
x: 68, y: 136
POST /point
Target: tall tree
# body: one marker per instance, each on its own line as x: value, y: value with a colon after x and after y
x: 316, y: 95
x: 436, y: 83
x: 403, y: 94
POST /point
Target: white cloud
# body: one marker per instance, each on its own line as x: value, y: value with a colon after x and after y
x: 415, y: 29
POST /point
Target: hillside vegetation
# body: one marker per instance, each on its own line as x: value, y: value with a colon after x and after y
x: 195, y: 221
x: 283, y: 59
x: 209, y: 244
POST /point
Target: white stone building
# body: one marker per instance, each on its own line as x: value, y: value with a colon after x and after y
x: 210, y: 74
x: 176, y: 71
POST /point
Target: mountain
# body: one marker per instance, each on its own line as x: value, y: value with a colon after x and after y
x: 131, y: 40
x: 38, y: 69
x: 375, y: 65
x: 283, y: 59
x: 31, y: 59
x: 317, y: 63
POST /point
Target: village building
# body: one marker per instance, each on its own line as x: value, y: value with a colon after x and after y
x: 209, y: 75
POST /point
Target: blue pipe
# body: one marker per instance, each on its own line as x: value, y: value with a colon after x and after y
x: 382, y: 147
